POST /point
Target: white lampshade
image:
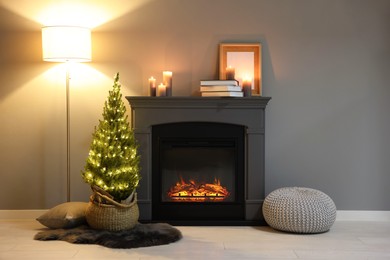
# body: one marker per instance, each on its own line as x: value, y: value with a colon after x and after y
x: 66, y: 43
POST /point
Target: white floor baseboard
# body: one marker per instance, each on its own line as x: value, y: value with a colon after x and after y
x: 362, y: 215
x: 21, y: 214
x: 342, y: 215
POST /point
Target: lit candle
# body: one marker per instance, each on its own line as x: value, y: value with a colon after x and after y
x: 167, y: 81
x: 162, y: 90
x: 230, y: 71
x: 152, y: 86
x: 247, y: 86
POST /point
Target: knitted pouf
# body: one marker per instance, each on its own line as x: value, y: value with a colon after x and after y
x: 299, y: 210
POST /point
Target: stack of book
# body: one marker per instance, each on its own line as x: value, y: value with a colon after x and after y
x: 220, y: 88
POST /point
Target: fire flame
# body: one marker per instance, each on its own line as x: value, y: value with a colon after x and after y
x: 198, y: 192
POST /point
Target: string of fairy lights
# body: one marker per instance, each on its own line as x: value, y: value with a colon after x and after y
x: 113, y: 162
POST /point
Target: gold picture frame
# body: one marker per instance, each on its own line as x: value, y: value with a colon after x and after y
x: 245, y: 59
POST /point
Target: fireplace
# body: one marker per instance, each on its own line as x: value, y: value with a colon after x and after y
x: 202, y: 159
x: 198, y: 172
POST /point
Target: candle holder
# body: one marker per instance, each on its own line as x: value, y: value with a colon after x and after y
x: 152, y: 87
x: 167, y: 81
x: 162, y: 90
x: 247, y: 87
x: 230, y: 73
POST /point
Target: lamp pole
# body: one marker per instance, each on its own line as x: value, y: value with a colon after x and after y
x: 67, y: 133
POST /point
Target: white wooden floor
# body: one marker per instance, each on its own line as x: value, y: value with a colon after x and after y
x: 346, y: 240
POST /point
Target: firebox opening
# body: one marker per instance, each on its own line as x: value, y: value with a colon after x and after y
x: 198, y: 171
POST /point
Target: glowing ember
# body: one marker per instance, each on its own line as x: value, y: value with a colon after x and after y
x: 198, y: 192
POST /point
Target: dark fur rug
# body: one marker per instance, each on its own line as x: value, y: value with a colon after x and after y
x: 142, y: 235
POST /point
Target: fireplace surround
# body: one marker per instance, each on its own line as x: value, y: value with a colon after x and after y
x: 152, y: 115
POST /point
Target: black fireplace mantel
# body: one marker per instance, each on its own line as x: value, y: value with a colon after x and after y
x: 198, y: 102
x: 249, y: 112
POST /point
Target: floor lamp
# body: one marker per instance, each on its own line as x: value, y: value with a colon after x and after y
x: 66, y: 44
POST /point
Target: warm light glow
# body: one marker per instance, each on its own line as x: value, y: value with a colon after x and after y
x: 87, y: 13
x: 248, y: 81
x: 66, y: 43
x: 192, y: 191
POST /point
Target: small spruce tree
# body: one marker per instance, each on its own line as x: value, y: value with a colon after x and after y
x: 113, y: 162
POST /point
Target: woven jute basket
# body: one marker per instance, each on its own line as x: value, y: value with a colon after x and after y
x: 105, y: 213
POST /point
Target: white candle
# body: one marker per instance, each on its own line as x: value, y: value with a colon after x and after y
x: 152, y: 86
x: 167, y: 81
x: 162, y: 90
x: 230, y: 73
x: 247, y: 86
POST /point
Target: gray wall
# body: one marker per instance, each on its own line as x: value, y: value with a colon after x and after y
x: 325, y: 65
